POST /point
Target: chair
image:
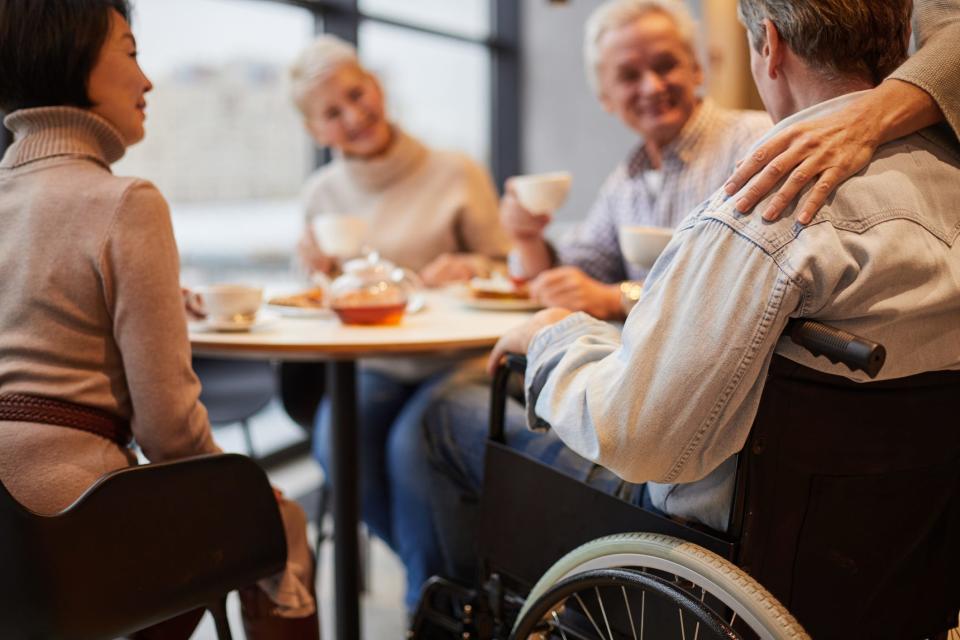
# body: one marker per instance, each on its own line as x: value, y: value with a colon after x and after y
x: 847, y: 510
x: 301, y: 386
x: 235, y: 390
x: 142, y: 545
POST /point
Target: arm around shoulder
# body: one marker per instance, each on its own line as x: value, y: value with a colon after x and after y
x: 933, y: 68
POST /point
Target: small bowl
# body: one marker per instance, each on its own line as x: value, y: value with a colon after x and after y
x: 641, y: 246
x: 542, y: 192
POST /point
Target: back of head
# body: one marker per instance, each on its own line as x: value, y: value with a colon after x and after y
x: 613, y: 14
x: 320, y: 58
x: 864, y: 39
x: 48, y: 49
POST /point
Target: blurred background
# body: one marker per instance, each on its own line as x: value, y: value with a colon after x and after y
x: 501, y: 80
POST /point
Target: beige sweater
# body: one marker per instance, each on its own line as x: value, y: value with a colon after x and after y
x: 91, y: 309
x: 933, y: 68
x: 420, y: 202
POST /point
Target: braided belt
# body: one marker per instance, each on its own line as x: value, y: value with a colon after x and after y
x: 19, y: 407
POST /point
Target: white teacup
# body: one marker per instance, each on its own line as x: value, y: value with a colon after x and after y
x: 542, y: 192
x: 236, y: 303
x: 641, y: 246
x: 338, y: 235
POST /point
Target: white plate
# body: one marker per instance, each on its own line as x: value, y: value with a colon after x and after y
x: 300, y: 312
x: 263, y: 319
x: 500, y: 304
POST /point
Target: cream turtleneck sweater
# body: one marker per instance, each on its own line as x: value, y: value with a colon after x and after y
x: 420, y: 202
x: 91, y: 313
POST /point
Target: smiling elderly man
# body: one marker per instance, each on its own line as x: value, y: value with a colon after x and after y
x: 641, y: 60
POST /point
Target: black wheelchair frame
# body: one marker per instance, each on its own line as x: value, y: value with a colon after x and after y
x: 519, y: 540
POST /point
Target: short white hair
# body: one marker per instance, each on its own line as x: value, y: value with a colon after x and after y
x: 319, y: 59
x: 614, y: 14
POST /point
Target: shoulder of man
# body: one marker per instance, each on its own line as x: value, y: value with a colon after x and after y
x: 916, y: 177
x: 742, y: 126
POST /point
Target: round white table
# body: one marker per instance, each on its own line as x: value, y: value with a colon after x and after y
x: 444, y: 326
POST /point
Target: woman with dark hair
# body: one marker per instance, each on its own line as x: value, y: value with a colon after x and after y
x: 92, y: 321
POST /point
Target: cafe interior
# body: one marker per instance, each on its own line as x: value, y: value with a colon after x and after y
x: 342, y: 287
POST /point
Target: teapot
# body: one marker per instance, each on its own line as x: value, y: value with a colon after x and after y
x: 372, y: 290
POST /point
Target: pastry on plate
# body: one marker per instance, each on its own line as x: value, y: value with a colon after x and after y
x: 309, y: 299
x: 497, y: 288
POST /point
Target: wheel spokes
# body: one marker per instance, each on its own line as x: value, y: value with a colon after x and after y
x: 583, y: 605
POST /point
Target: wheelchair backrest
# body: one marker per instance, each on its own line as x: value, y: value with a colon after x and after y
x: 849, y: 510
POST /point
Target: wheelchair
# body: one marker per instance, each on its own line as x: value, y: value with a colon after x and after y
x: 845, y: 524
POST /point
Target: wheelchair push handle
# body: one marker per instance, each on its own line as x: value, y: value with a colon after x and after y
x: 838, y: 345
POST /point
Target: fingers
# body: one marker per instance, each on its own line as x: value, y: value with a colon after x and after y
x: 193, y: 304
x: 799, y: 178
x: 496, y: 355
x: 815, y: 198
x: 771, y: 175
x: 445, y: 268
x: 748, y: 167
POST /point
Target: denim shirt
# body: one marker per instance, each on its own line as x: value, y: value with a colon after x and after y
x: 671, y: 399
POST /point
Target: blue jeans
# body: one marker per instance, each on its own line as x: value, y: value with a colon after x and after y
x: 394, y: 477
x: 456, y: 427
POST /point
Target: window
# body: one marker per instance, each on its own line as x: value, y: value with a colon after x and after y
x: 228, y: 149
x: 436, y: 88
x: 467, y: 18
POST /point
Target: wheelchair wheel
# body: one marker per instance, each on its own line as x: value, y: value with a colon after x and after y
x: 628, y: 585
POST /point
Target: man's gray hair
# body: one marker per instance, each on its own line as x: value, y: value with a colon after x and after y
x: 614, y: 14
x: 843, y: 38
x: 319, y: 59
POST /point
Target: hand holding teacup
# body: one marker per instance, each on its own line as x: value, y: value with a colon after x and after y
x: 529, y: 202
x: 312, y: 258
x: 330, y: 239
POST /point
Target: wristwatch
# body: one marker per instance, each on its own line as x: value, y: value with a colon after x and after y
x: 630, y: 291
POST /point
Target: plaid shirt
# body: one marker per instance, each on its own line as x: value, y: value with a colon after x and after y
x: 694, y: 165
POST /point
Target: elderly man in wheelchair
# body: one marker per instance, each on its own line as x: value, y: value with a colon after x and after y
x: 761, y: 462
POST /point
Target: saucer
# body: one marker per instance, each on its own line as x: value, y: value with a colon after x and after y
x: 262, y: 319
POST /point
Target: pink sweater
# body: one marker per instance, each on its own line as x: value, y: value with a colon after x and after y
x: 91, y: 309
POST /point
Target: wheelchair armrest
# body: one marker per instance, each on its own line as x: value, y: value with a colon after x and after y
x: 817, y: 338
x: 513, y: 363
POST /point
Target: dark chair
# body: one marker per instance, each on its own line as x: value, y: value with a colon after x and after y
x: 847, y: 510
x: 235, y: 390
x: 301, y: 386
x: 140, y: 546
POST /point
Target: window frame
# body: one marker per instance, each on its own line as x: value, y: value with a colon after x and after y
x: 343, y: 18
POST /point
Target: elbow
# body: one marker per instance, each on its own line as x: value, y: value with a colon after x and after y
x: 178, y: 439
x: 639, y: 460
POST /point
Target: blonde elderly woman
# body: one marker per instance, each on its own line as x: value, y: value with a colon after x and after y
x: 433, y: 211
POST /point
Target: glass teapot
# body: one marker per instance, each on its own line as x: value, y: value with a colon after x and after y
x: 372, y: 290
